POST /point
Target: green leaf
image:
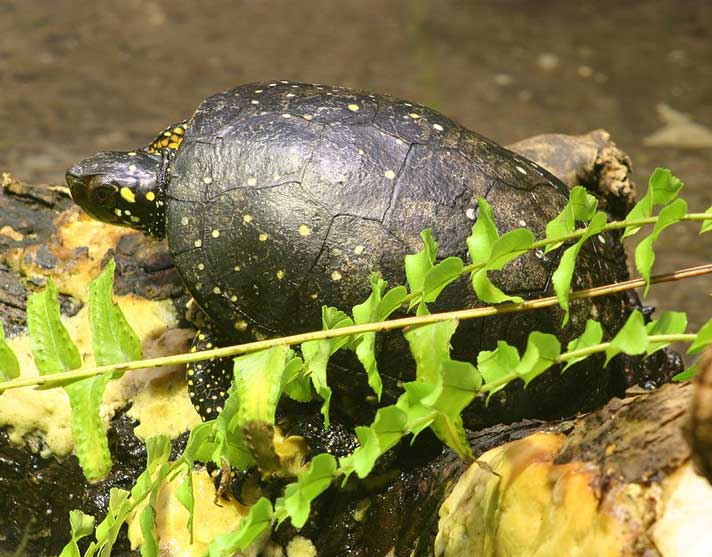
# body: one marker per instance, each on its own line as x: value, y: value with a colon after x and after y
x: 687, y: 375
x: 591, y: 336
x: 484, y: 234
x: 644, y: 254
x: 376, y: 308
x: 316, y: 354
x: 540, y: 354
x: 494, y: 365
x: 564, y: 273
x: 632, y: 338
x: 90, y: 442
x: 185, y: 497
x: 663, y: 188
x: 108, y: 529
x: 508, y: 247
x: 669, y: 323
x: 417, y: 265
x: 430, y: 346
x: 52, y: 348
x: 296, y: 503
x: 296, y: 383
x: 258, y: 381
x: 257, y: 521
x: 703, y: 338
x: 9, y: 366
x: 580, y: 207
x: 707, y: 225
x: 439, y: 276
x: 386, y: 431
x: 418, y: 416
x: 113, y: 339
x: 81, y: 525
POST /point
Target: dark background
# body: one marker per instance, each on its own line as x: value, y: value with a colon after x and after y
x: 77, y: 77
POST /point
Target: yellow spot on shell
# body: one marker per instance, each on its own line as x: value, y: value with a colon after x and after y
x: 150, y: 196
x: 241, y: 325
x: 314, y: 296
x: 336, y: 276
x: 304, y: 230
x: 263, y: 237
x: 236, y: 268
x: 217, y: 290
x: 251, y: 181
x: 173, y: 145
x: 354, y: 107
x: 358, y: 250
x: 247, y: 218
x: 207, y: 180
x: 286, y: 115
x: 389, y: 174
x: 280, y: 274
x: 414, y: 116
x: 183, y: 220
x: 233, y: 298
x: 128, y: 195
x: 438, y: 127
x: 198, y: 243
x: 307, y: 117
x: 201, y: 266
x: 215, y: 233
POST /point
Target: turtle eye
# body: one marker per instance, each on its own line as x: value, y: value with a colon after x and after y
x: 103, y: 195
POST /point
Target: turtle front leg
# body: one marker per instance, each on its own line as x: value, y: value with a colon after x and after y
x: 208, y: 380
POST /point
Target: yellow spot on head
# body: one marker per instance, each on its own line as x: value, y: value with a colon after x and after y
x: 438, y: 127
x: 285, y: 115
x: 201, y: 336
x: 280, y: 274
x: 247, y: 218
x: 118, y: 212
x: 304, y: 230
x: 414, y: 116
x: 263, y: 237
x: 215, y: 233
x: 128, y: 195
x: 150, y: 195
x: 132, y: 153
x: 258, y: 90
x: 354, y: 107
x: 173, y: 145
x: 389, y: 174
x: 336, y: 276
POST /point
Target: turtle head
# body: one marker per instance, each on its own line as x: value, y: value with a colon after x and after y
x: 121, y: 188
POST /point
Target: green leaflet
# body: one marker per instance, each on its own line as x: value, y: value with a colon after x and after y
x: 632, y: 338
x: 707, y: 225
x: 565, y: 271
x: 387, y: 429
x: 316, y: 354
x: 492, y: 252
x: 81, y: 525
x: 540, y: 354
x: 184, y: 494
x: 669, y: 323
x: 580, y: 207
x: 591, y: 336
x: 52, y: 348
x: 418, y: 416
x: 113, y: 339
x: 496, y: 364
x: 149, y: 483
x: 417, y: 265
x: 376, y: 308
x: 663, y: 188
x: 296, y: 384
x: 687, y: 375
x: 296, y: 502
x: 430, y: 346
x: 257, y: 521
x: 108, y: 529
x: 703, y: 338
x: 9, y: 366
x: 644, y: 254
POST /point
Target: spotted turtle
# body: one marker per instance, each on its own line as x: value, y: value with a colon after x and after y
x: 278, y: 198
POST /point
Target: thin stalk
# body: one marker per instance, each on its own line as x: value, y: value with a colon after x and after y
x: 58, y: 379
x: 582, y: 353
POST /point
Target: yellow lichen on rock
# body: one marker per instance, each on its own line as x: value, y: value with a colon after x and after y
x: 519, y: 503
x: 211, y: 519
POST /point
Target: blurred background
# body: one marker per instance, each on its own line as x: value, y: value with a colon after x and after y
x: 77, y: 77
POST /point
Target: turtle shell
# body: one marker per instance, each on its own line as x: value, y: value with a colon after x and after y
x: 285, y: 196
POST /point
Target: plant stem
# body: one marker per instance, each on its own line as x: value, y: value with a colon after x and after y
x: 58, y: 379
x: 582, y: 353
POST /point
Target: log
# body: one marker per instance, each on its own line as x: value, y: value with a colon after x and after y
x: 397, y: 512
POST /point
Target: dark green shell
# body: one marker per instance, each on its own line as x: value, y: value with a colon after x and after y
x: 284, y: 197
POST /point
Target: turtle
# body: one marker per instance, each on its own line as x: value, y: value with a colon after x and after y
x: 278, y: 198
